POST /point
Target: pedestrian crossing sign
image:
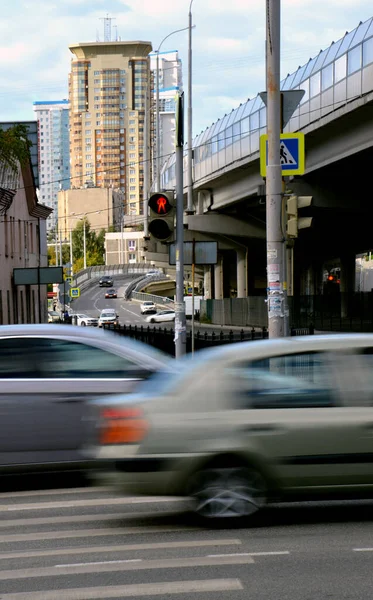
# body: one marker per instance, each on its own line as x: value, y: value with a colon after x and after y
x: 74, y: 292
x: 292, y: 156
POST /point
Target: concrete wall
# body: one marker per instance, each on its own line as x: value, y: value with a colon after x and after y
x: 98, y: 204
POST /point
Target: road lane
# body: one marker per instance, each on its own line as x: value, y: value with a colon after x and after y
x: 150, y: 548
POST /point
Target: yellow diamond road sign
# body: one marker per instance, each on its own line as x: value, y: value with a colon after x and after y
x: 74, y: 292
x: 292, y: 155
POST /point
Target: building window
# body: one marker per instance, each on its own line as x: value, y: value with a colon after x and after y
x: 327, y: 77
x: 133, y: 196
x: 354, y: 60
x: 368, y: 52
x: 340, y: 68
x: 131, y: 243
x: 132, y: 180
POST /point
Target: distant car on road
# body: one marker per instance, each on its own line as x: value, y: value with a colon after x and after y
x: 54, y: 316
x: 85, y: 320
x: 111, y: 294
x: 162, y: 316
x: 148, y: 307
x: 48, y: 374
x: 108, y: 316
x: 152, y: 272
x: 106, y: 281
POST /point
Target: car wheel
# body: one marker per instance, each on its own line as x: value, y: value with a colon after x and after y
x: 152, y: 320
x: 235, y: 492
x: 83, y: 323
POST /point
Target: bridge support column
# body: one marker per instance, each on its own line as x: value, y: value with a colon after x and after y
x: 207, y: 282
x: 348, y: 266
x: 241, y: 274
x: 218, y: 279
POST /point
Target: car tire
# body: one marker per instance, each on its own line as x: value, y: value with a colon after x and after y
x: 222, y: 492
x: 152, y: 320
x: 83, y: 324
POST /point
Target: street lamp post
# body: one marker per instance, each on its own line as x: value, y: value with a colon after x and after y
x: 84, y: 245
x: 190, y: 207
x: 157, y: 121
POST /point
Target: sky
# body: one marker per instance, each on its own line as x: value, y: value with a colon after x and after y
x: 228, y: 44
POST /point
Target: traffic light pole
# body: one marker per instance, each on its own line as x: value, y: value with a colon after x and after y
x: 180, y: 321
x: 276, y: 277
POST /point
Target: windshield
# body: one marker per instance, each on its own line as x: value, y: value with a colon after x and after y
x: 108, y: 315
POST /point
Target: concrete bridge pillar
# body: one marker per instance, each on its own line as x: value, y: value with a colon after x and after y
x: 218, y: 279
x: 207, y: 282
x: 241, y: 274
x: 348, y: 267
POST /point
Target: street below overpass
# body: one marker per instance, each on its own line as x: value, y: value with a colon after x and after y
x: 92, y: 301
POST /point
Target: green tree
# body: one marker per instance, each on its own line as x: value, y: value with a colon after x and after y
x: 52, y: 255
x: 95, y: 245
x: 14, y: 146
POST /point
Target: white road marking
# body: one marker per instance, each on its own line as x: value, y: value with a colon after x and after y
x: 130, y: 311
x: 143, y: 565
x: 119, y: 548
x: 74, y: 519
x: 102, y: 562
x: 132, y: 591
x: 362, y: 550
x: 280, y: 553
x: 85, y: 533
x: 56, y: 492
x: 87, y: 502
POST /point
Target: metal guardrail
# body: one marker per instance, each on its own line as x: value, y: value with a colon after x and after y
x: 161, y: 300
x: 98, y: 271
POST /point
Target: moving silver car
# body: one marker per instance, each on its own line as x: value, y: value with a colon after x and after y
x: 240, y: 426
x: 47, y: 373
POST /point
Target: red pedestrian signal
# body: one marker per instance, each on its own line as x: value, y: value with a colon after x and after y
x: 160, y: 204
x: 161, y: 215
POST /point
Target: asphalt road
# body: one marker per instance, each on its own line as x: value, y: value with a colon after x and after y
x: 92, y: 301
x: 87, y: 543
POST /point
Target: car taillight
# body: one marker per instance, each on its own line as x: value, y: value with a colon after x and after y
x: 122, y: 426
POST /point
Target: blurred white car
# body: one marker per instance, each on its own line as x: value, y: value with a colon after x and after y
x: 247, y: 424
x: 86, y: 321
x: 54, y: 316
x: 148, y: 307
x: 108, y: 316
x: 162, y: 316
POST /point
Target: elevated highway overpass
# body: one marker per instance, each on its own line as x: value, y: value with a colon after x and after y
x: 336, y: 116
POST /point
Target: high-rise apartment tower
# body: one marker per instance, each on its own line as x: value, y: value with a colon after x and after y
x: 109, y: 91
x: 54, y: 154
x: 170, y: 83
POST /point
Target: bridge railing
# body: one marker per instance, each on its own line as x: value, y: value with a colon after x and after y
x: 94, y: 273
x: 159, y: 300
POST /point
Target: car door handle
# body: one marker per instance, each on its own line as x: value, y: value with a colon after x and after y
x: 68, y: 400
x: 261, y: 428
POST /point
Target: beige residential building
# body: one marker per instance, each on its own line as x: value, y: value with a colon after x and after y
x: 23, y: 244
x: 109, y: 91
x: 125, y: 248
x: 101, y: 207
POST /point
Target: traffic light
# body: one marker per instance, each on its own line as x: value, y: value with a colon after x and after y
x: 162, y: 215
x: 294, y: 222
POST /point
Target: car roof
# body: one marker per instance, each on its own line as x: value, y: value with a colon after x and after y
x: 275, y: 347
x: 138, y: 350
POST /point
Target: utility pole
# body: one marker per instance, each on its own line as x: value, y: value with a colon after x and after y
x: 180, y: 322
x: 71, y: 252
x: 157, y: 131
x: 276, y: 277
x: 84, y: 245
x: 190, y: 207
x: 146, y: 163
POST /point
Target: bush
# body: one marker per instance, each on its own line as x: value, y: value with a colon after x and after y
x: 205, y: 319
